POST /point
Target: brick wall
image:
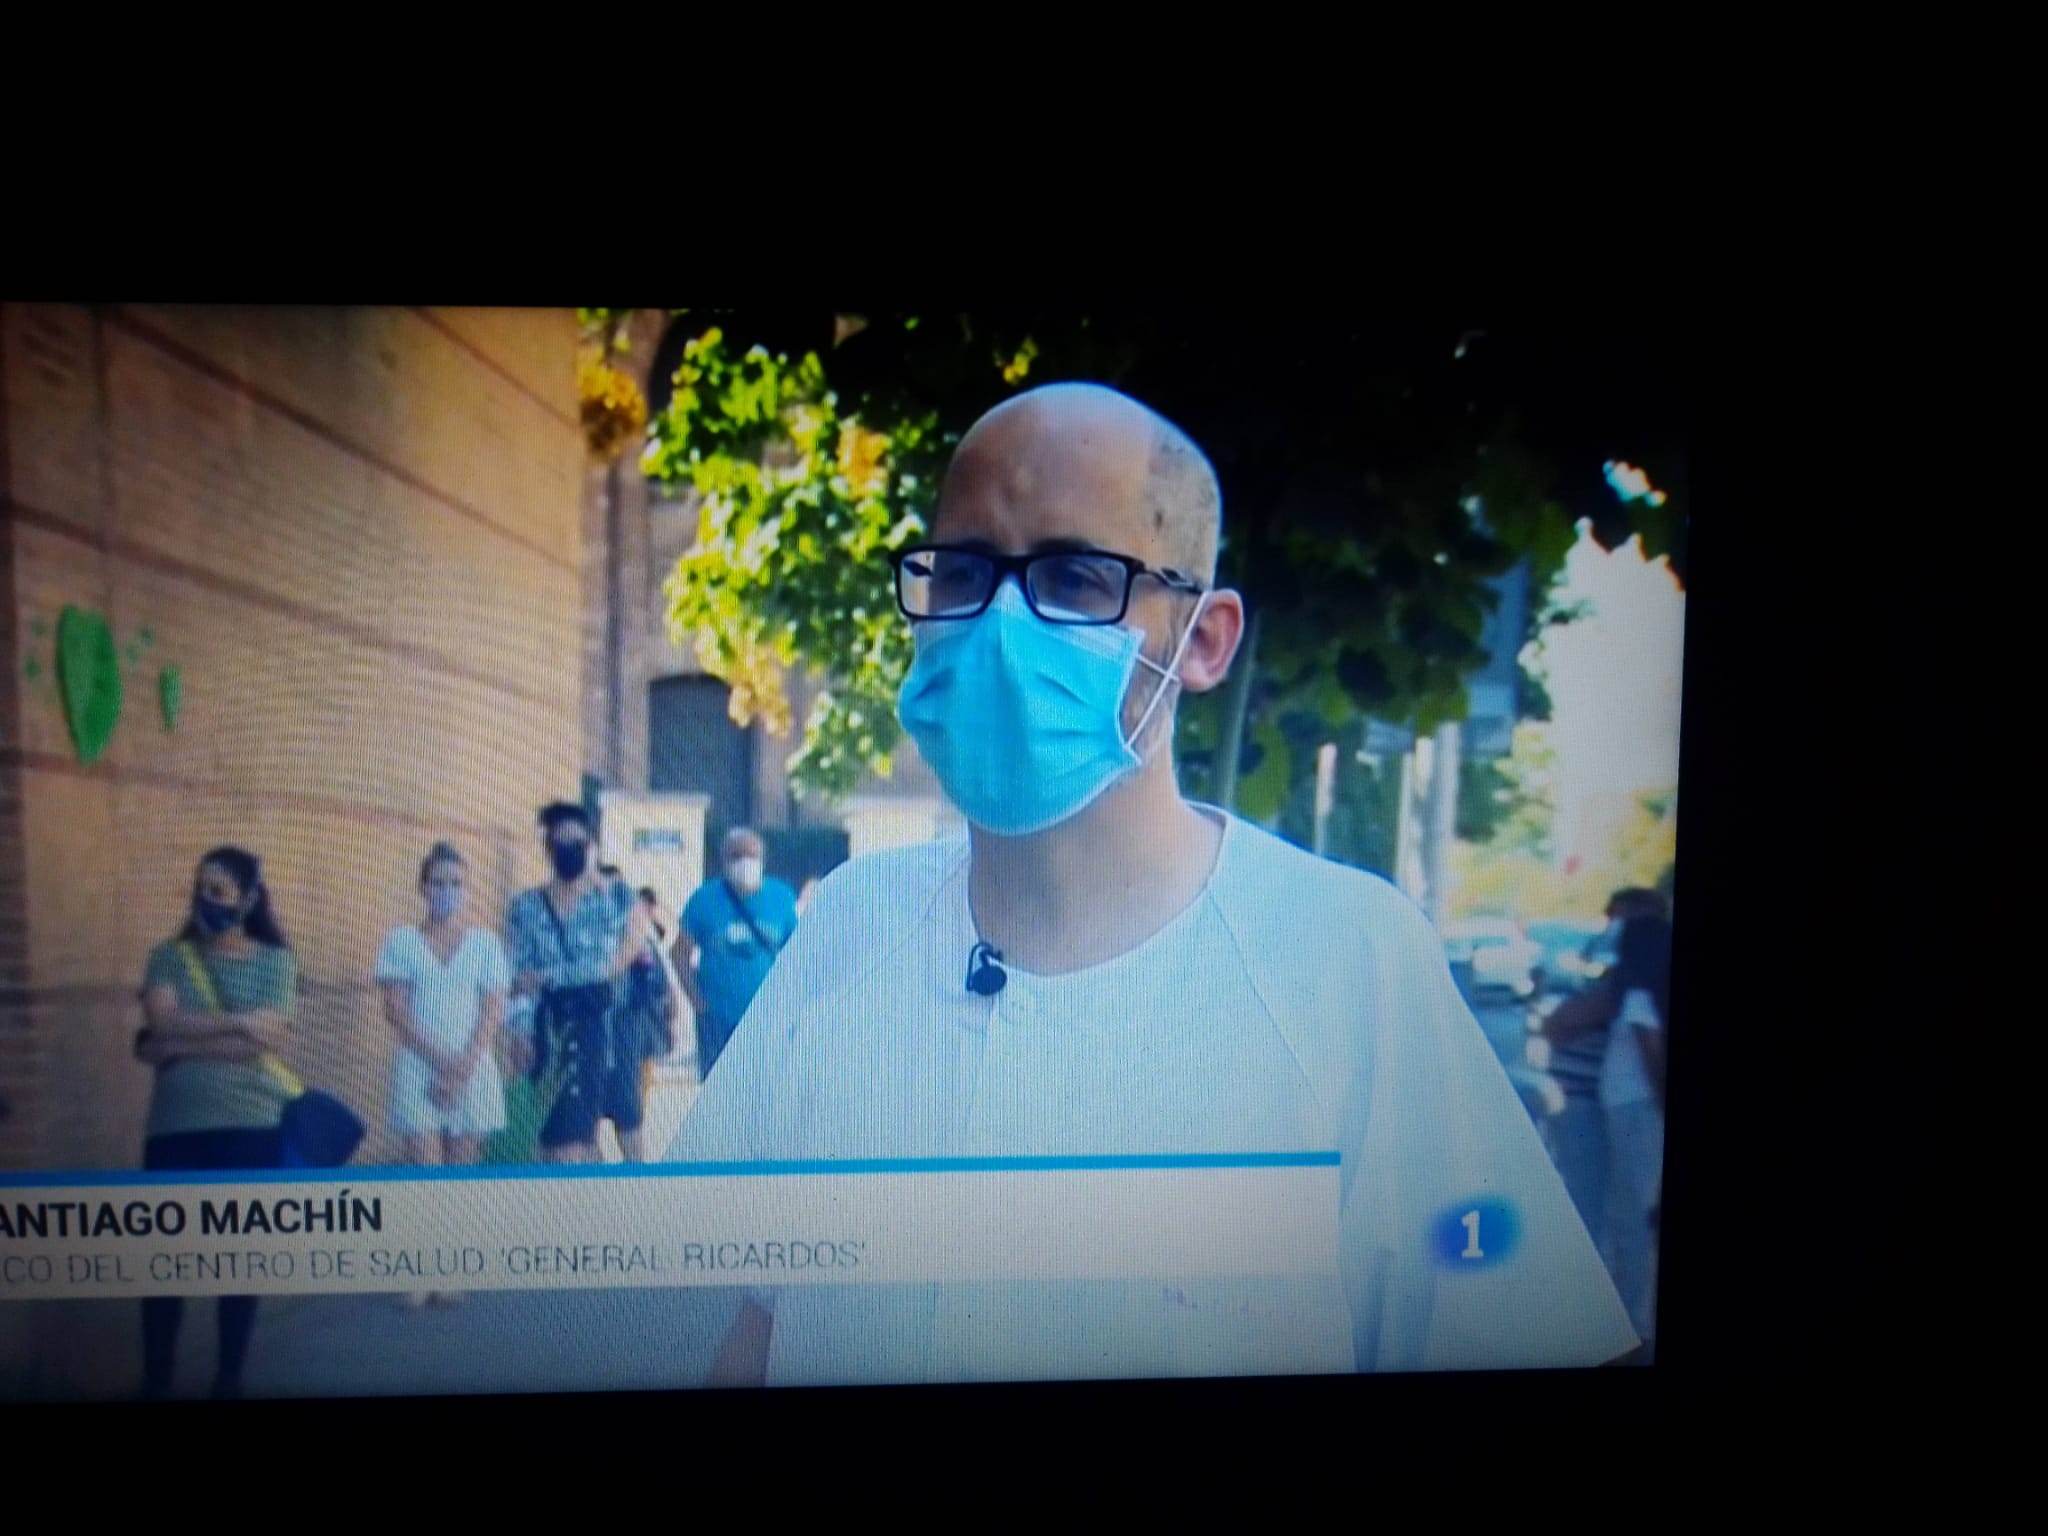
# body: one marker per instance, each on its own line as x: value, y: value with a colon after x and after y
x: 358, y: 534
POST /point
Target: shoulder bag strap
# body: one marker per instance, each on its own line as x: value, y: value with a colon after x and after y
x: 202, y: 982
x: 747, y: 914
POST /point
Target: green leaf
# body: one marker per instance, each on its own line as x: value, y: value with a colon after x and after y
x: 89, y: 678
x: 170, y: 687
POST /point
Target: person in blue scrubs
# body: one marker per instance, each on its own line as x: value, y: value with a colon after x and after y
x: 735, y: 926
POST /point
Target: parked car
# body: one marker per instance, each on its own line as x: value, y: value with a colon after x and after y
x: 1497, y: 955
x: 1576, y: 953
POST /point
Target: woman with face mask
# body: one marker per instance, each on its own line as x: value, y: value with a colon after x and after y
x: 575, y: 942
x: 445, y: 981
x: 218, y: 1003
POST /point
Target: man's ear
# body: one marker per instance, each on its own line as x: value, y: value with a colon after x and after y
x: 1213, y: 645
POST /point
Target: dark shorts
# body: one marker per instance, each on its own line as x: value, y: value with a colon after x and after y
x: 589, y: 1097
x: 599, y: 1075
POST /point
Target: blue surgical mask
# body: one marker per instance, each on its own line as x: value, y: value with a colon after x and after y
x: 444, y: 901
x: 1022, y: 720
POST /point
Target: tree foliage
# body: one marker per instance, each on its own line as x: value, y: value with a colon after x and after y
x: 1515, y: 872
x: 1375, y: 479
x: 799, y: 507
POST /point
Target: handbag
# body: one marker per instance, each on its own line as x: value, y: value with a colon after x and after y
x: 316, y: 1130
x: 653, y: 995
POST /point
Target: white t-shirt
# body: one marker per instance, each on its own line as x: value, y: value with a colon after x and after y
x: 1624, y: 1079
x: 1295, y: 1006
x: 447, y: 998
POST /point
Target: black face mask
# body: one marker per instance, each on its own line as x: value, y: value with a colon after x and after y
x: 571, y: 859
x: 216, y: 917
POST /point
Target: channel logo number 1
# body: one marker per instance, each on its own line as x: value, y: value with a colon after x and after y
x: 1475, y: 1234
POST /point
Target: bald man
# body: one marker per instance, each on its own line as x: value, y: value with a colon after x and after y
x: 1101, y: 967
x: 734, y: 926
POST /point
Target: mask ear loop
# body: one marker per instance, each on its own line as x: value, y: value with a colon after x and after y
x: 1169, y: 675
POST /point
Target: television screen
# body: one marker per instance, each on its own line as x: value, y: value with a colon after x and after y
x: 580, y: 850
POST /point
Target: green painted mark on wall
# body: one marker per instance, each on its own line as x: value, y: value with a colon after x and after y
x: 88, y: 680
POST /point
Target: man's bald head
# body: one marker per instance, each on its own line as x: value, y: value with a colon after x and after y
x: 1094, y: 453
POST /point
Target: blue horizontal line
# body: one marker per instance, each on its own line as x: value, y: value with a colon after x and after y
x: 570, y: 1171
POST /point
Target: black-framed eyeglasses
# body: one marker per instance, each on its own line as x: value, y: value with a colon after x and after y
x: 1080, y: 586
